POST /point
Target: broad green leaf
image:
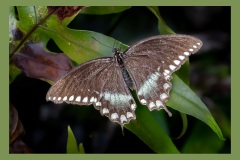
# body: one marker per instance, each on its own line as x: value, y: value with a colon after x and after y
x: 80, y: 46
x: 27, y: 17
x: 100, y: 10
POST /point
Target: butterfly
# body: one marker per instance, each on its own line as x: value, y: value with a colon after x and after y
x: 145, y: 67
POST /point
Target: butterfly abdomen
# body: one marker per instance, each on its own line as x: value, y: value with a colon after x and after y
x: 127, y: 78
x: 118, y: 56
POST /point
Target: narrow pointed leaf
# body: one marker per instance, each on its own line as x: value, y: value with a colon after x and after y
x: 72, y: 146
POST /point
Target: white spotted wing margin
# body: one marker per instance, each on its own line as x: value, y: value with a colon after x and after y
x: 98, y: 82
x: 151, y: 62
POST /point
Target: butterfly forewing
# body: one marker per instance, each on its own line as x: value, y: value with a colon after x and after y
x: 151, y: 62
x: 97, y: 82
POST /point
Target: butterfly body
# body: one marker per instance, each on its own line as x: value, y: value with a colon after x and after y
x: 145, y: 67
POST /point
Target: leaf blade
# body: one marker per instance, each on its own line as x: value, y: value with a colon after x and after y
x: 72, y: 146
x: 186, y: 101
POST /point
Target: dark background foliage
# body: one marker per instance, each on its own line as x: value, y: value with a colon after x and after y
x: 46, y: 123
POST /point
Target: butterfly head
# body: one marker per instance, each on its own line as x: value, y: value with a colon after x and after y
x: 118, y: 56
x: 116, y: 51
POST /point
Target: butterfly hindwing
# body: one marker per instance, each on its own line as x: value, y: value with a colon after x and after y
x: 151, y: 63
x: 98, y: 82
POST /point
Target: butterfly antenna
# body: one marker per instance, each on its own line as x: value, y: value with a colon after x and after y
x: 101, y: 42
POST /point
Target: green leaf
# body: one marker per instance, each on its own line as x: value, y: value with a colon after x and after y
x: 80, y: 46
x: 185, y: 124
x: 13, y: 72
x: 72, y: 146
x: 101, y: 10
x: 202, y: 142
x: 186, y: 101
x: 81, y: 148
x: 182, y: 98
x: 162, y: 26
x: 27, y: 17
x: 150, y: 131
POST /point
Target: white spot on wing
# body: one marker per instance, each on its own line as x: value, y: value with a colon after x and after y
x: 177, y: 62
x: 129, y: 115
x: 194, y: 46
x: 198, y: 44
x: 187, y: 53
x: 190, y: 49
x: 151, y: 105
x: 49, y: 98
x: 166, y: 71
x: 163, y: 96
x: 123, y: 118
x: 71, y: 98
x: 78, y: 99
x: 181, y: 57
x: 172, y: 67
x: 92, y: 99
x: 167, y: 77
x: 143, y: 101
x: 59, y: 98
x: 105, y: 111
x: 54, y: 98
x: 133, y: 106
x: 159, y: 103
x: 85, y: 99
x: 65, y: 98
x: 166, y: 86
x: 98, y: 104
x: 114, y: 116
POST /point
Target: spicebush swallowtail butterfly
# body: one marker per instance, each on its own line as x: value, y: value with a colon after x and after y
x: 146, y: 67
